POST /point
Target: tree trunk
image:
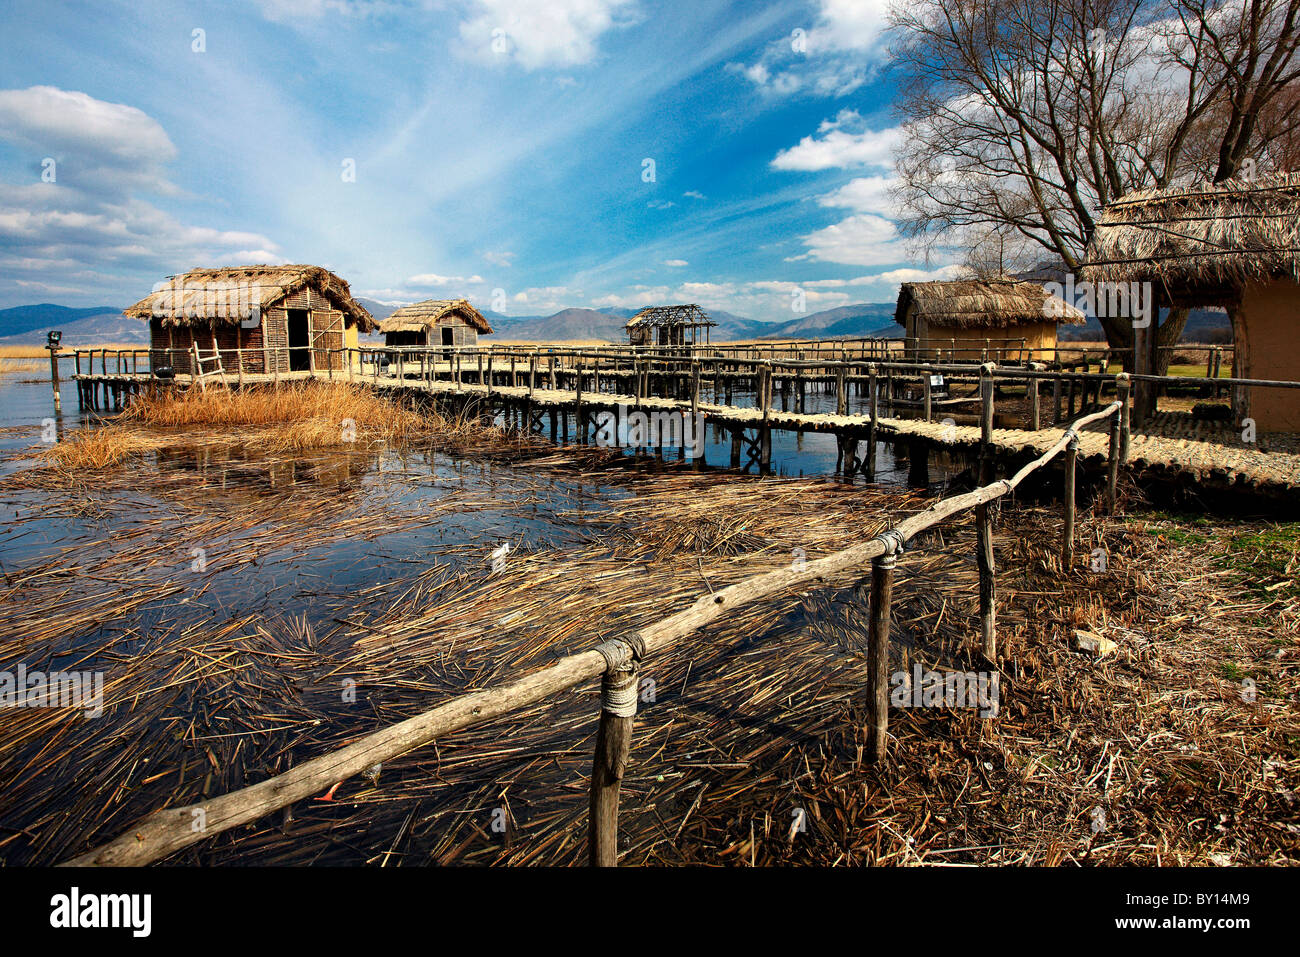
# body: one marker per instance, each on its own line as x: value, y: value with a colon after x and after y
x: 1168, y: 334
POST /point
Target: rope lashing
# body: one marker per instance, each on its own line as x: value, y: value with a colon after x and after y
x: 619, y: 652
x: 619, y: 686
x: 619, y: 691
x: 893, y: 541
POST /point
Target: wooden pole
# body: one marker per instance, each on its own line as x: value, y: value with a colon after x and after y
x: 984, y: 521
x: 54, y: 376
x: 882, y: 590
x: 1035, y: 412
x: 1122, y: 385
x: 618, y: 694
x: 1067, y: 540
x: 1112, y: 466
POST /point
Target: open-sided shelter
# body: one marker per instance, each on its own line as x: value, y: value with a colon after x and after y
x: 683, y: 325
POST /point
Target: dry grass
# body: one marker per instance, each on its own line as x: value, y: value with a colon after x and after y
x: 752, y: 719
x: 294, y: 418
x: 10, y: 364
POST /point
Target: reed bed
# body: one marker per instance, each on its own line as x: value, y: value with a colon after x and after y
x: 754, y: 725
x: 292, y: 419
x: 16, y: 364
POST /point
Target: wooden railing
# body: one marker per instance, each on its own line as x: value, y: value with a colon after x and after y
x: 616, y: 661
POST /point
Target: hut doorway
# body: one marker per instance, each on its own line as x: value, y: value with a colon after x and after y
x: 448, y: 339
x: 299, y: 340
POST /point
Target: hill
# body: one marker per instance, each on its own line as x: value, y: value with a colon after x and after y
x: 42, y: 317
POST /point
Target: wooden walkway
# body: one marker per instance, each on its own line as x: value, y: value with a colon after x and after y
x: 1171, y: 445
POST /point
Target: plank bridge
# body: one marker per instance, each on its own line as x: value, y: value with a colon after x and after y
x: 920, y: 404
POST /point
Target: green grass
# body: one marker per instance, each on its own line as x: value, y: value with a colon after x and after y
x: 1267, y: 558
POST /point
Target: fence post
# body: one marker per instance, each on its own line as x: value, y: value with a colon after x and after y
x: 1122, y: 395
x: 1112, y: 466
x: 882, y: 591
x: 1035, y: 412
x: 929, y: 395
x: 618, y: 696
x: 841, y: 394
x: 1067, y: 540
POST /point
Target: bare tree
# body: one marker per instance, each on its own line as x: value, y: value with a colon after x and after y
x: 1024, y: 117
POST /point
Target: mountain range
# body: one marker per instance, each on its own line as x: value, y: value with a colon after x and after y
x: 27, y: 325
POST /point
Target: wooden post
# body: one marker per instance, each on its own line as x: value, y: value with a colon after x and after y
x: 882, y: 590
x: 1112, y: 466
x: 1122, y: 395
x: 1035, y: 412
x: 1056, y: 397
x: 695, y: 391
x: 986, y: 423
x: 929, y: 395
x: 54, y: 376
x: 841, y: 395
x: 618, y: 695
x: 1067, y: 541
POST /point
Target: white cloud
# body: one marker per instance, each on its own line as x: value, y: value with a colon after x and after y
x: 835, y: 56
x: 499, y: 258
x: 556, y: 33
x: 841, y: 144
x: 694, y: 194
x: 865, y: 194
x: 676, y: 263
x: 849, y: 25
x: 105, y: 146
x: 106, y: 155
x: 861, y: 240
x: 433, y: 279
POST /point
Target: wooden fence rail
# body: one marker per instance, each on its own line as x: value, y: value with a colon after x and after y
x: 166, y: 831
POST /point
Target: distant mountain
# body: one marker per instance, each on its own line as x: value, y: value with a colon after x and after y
x: 862, y: 319
x: 1203, y: 325
x: 377, y: 309
x: 45, y: 316
x: 103, y: 326
x: 608, y: 325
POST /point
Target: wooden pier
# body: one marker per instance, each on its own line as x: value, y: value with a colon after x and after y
x: 926, y: 407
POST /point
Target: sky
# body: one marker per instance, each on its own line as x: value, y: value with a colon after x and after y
x: 529, y: 156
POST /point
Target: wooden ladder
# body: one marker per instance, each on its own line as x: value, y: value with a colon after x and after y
x: 198, y: 374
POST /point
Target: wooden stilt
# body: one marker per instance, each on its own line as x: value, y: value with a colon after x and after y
x: 882, y: 590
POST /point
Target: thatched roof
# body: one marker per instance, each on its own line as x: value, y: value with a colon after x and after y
x: 230, y: 294
x: 419, y: 316
x: 983, y: 303
x: 1205, y: 236
x: 684, y: 315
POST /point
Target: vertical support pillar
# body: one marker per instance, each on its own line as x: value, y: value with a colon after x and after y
x: 882, y: 591
x: 1067, y: 539
x: 618, y: 696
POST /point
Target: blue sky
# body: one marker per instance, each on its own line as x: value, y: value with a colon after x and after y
x: 500, y: 150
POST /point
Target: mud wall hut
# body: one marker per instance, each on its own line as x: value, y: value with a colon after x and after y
x: 1235, y: 245
x: 435, y: 323
x: 669, y: 326
x: 1011, y: 319
x: 264, y: 318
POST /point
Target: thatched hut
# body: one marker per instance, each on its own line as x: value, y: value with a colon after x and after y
x: 434, y: 323
x: 997, y: 318
x: 1235, y: 245
x: 684, y: 325
x: 279, y: 318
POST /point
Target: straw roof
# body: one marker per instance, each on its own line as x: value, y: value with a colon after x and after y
x: 983, y: 303
x: 230, y: 294
x: 684, y: 315
x: 419, y: 316
x: 1209, y: 235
